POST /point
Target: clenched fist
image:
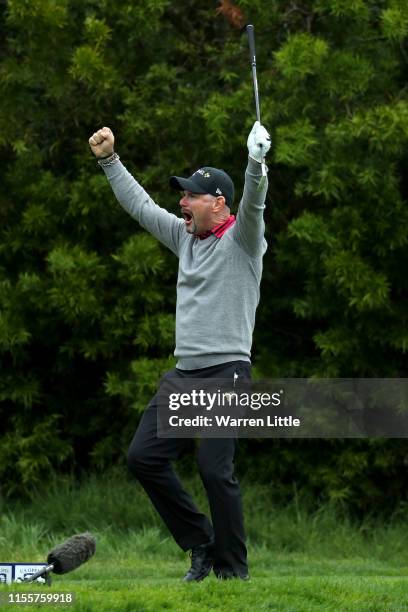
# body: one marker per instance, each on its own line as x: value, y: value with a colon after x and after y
x: 259, y: 142
x: 101, y: 142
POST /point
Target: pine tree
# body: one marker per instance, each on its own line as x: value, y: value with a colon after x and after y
x: 87, y: 298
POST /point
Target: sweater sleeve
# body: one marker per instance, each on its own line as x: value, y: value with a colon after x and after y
x: 163, y: 225
x: 249, y: 229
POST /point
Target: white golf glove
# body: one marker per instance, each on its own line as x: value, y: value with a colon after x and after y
x: 259, y: 142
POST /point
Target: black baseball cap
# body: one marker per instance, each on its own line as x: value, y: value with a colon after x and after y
x: 206, y: 180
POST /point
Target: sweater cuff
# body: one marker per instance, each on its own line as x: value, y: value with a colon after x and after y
x: 254, y: 167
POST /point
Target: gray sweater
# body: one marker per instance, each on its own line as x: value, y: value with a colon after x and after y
x: 218, y: 278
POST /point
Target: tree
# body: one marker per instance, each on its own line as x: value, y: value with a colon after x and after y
x: 87, y: 298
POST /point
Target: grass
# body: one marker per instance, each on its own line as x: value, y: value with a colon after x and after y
x: 298, y: 561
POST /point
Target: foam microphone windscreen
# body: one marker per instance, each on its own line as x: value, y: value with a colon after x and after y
x: 72, y: 553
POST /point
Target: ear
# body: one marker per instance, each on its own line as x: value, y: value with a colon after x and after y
x: 219, y: 203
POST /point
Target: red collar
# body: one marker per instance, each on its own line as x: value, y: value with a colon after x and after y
x: 220, y: 229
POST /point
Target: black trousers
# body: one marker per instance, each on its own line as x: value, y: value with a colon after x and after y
x: 150, y: 457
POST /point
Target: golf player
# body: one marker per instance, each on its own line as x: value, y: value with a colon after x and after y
x: 218, y: 288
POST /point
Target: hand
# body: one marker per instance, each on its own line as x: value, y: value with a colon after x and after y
x: 259, y: 142
x: 101, y: 142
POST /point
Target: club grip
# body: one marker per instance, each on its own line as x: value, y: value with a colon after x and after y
x: 251, y: 41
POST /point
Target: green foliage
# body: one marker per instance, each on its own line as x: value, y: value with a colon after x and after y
x: 298, y: 560
x: 395, y: 21
x: 87, y: 298
x: 301, y: 56
x: 296, y: 143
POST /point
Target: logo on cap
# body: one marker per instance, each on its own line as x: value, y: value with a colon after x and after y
x: 203, y: 173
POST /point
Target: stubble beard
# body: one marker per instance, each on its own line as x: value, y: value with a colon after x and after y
x: 192, y: 228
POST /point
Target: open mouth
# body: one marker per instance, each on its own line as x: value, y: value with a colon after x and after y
x: 187, y: 217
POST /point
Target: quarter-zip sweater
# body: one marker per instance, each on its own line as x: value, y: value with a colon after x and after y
x: 219, y: 278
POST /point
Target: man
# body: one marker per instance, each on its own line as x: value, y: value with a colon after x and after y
x: 220, y: 268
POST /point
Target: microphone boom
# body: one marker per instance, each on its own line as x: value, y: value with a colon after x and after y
x: 68, y: 556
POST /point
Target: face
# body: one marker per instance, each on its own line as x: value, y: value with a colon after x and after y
x: 198, y: 211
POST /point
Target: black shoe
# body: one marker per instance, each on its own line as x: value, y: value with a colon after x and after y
x: 227, y: 575
x: 201, y: 562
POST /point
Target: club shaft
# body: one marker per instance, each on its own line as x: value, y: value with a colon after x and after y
x: 256, y: 93
x: 252, y: 55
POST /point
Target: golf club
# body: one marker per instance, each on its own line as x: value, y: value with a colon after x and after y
x: 252, y: 54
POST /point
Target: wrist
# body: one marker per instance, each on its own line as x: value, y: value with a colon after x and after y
x: 259, y: 161
x: 109, y: 160
x: 98, y: 157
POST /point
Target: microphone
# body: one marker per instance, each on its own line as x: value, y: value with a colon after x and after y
x: 68, y: 556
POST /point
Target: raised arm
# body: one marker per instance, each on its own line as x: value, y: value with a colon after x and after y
x: 249, y: 228
x: 163, y: 225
